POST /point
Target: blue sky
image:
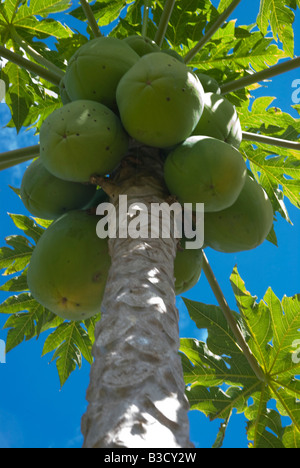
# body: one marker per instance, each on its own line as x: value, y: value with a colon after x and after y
x: 34, y: 412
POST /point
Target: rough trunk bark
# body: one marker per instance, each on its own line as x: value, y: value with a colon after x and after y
x: 136, y: 394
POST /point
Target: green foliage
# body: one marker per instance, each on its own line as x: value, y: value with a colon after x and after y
x: 218, y: 375
x: 264, y: 159
x: 220, y: 379
x: 280, y: 18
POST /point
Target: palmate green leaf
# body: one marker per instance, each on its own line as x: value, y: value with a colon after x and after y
x: 277, y: 169
x: 44, y: 107
x: 47, y: 27
x: 19, y: 97
x: 271, y: 329
x: 132, y: 23
x: 274, y: 327
x: 207, y: 366
x: 9, y: 9
x: 291, y: 437
x: 220, y: 360
x: 22, y: 94
x: 66, y: 47
x: 189, y: 19
x: 270, y: 120
x: 105, y: 11
x: 70, y: 341
x: 241, y: 48
x: 16, y: 256
x: 28, y: 226
x: 16, y: 284
x: 278, y: 15
x: 27, y: 319
x: 17, y: 303
x: 31, y: 21
x: 27, y: 324
x: 41, y: 8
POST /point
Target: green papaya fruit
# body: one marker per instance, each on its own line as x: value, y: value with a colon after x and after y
x: 49, y: 197
x: 69, y: 267
x: 187, y: 269
x: 81, y: 139
x: 141, y: 45
x: 160, y: 101
x: 244, y: 225
x: 174, y: 54
x: 219, y: 120
x: 99, y: 197
x: 96, y: 68
x: 65, y: 98
x: 205, y: 170
x: 210, y: 85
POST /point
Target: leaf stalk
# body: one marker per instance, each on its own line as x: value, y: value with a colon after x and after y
x: 15, y: 157
x: 164, y: 20
x: 231, y: 320
x: 255, y: 137
x: 91, y: 18
x: 30, y: 66
x: 145, y: 18
x: 211, y: 31
x: 263, y: 75
x: 34, y: 54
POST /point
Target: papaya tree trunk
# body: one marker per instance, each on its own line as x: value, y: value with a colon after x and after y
x: 136, y: 393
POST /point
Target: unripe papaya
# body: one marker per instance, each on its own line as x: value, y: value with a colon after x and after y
x: 69, y: 267
x: 160, y: 101
x: 96, y: 68
x: 187, y: 269
x: 210, y: 85
x: 205, y: 170
x: 99, y: 197
x: 174, y: 54
x: 81, y: 139
x: 49, y: 197
x: 243, y: 226
x: 141, y: 45
x: 220, y: 120
x: 65, y: 98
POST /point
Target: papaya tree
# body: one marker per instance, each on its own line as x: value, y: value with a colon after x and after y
x: 142, y: 109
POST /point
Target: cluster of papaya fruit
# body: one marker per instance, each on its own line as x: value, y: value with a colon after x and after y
x: 115, y: 91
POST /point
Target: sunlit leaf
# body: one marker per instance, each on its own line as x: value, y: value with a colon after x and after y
x: 271, y: 329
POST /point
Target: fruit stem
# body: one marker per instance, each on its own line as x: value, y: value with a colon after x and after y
x: 145, y: 18
x: 30, y: 66
x: 164, y: 20
x: 91, y: 18
x: 109, y: 187
x: 15, y: 157
x: 261, y: 76
x: 34, y: 54
x: 230, y: 319
x: 247, y: 136
x: 211, y: 31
